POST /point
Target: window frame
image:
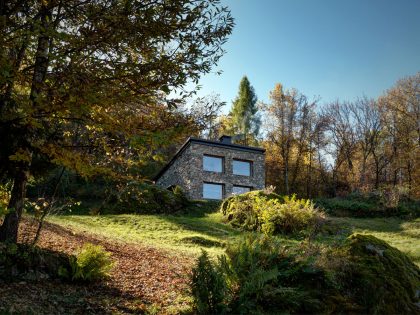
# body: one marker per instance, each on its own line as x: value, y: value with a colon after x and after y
x: 242, y: 186
x: 251, y: 167
x: 222, y: 158
x: 213, y: 183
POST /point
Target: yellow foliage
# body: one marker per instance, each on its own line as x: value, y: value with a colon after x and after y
x: 21, y: 156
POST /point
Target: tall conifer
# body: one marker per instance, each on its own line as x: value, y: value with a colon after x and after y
x: 244, y: 112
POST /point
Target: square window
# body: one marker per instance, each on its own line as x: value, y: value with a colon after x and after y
x: 237, y: 190
x: 213, y: 163
x: 212, y: 191
x: 241, y: 167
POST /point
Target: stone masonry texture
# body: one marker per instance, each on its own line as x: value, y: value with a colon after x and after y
x: 187, y: 171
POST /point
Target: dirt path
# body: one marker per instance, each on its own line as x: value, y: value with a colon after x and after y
x: 143, y: 278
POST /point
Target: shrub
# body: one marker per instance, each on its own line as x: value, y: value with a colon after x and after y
x: 256, y: 211
x: 226, y: 206
x: 291, y: 216
x: 371, y: 205
x: 363, y: 275
x: 143, y: 198
x: 347, y: 207
x: 254, y: 267
x: 91, y: 263
x: 258, y: 274
x: 208, y: 287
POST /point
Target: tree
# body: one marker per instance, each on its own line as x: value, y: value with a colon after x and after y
x: 291, y: 124
x: 341, y: 128
x: 77, y: 77
x: 400, y: 113
x: 205, y: 112
x: 244, y: 111
x: 368, y: 128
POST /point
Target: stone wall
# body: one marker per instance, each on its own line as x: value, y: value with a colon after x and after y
x: 187, y: 170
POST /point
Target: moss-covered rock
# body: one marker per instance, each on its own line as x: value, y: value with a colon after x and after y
x: 381, y: 279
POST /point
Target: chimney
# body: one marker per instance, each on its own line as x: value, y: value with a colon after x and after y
x: 225, y: 139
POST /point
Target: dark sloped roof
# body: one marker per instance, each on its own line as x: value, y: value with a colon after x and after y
x: 209, y: 143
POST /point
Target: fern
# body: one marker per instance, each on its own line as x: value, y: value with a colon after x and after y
x: 92, y: 263
x: 208, y: 287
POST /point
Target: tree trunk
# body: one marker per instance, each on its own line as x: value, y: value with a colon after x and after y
x: 410, y: 178
x: 309, y: 175
x: 286, y: 175
x: 363, y: 173
x: 377, y: 171
x: 9, y: 228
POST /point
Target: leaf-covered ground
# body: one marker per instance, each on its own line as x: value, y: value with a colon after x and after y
x: 144, y: 279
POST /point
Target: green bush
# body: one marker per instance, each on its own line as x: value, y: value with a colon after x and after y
x: 257, y: 269
x: 369, y: 206
x: 208, y: 287
x: 91, y: 263
x: 347, y: 207
x: 271, y: 214
x: 259, y: 275
x: 363, y: 275
x: 143, y: 198
x: 226, y: 204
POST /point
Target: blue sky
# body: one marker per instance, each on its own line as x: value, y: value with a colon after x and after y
x: 333, y: 49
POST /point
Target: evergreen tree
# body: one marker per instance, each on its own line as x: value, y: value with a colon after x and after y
x: 244, y: 113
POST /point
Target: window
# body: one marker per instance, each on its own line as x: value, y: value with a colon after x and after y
x: 212, y: 191
x: 213, y: 163
x: 237, y: 190
x: 242, y: 168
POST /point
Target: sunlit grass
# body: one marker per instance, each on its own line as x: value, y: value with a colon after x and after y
x: 190, y: 233
x: 180, y: 233
x: 404, y: 235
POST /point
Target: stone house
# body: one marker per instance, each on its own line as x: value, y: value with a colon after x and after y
x: 214, y: 169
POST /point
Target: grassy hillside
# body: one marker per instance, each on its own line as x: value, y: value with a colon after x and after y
x: 183, y: 234
x: 203, y: 228
x: 154, y: 255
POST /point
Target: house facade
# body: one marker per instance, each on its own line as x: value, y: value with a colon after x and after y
x: 214, y: 169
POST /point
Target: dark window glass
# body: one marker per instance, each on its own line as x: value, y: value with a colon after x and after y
x: 212, y: 191
x: 212, y: 163
x: 241, y: 168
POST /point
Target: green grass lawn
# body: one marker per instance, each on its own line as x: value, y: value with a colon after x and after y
x: 204, y: 229
x: 188, y: 233
x: 179, y: 233
x: 404, y: 235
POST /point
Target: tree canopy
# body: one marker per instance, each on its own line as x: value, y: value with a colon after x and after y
x: 80, y: 78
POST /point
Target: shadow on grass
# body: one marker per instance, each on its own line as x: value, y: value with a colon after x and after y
x: 56, y: 297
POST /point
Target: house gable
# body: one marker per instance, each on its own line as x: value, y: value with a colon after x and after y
x: 186, y: 167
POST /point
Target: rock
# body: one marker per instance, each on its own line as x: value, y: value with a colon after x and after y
x: 382, y: 279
